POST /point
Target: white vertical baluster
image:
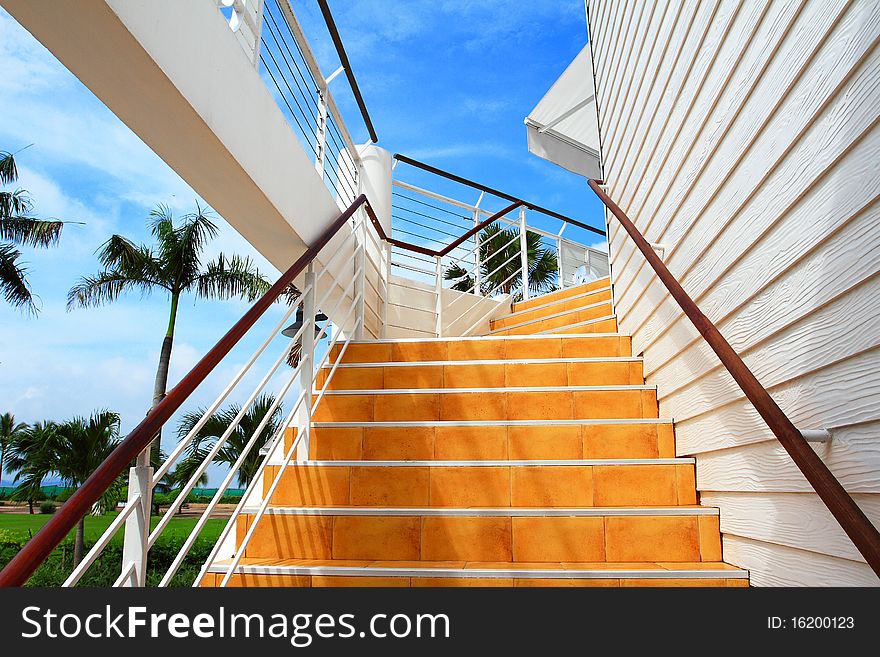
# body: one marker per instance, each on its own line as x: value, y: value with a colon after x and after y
x: 307, y: 355
x: 386, y: 288
x: 360, y: 262
x: 561, y: 275
x: 321, y: 135
x: 524, y: 253
x: 477, y: 273
x: 137, y: 525
x: 438, y: 289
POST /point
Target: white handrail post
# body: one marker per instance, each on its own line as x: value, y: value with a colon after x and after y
x: 360, y: 264
x: 308, y: 360
x: 321, y: 135
x: 137, y: 526
x: 477, y: 273
x: 561, y: 275
x: 438, y: 289
x: 386, y: 287
x: 524, y: 253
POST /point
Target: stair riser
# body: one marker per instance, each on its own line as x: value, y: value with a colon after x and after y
x: 560, y: 321
x: 490, y: 349
x: 553, y: 309
x: 497, y: 443
x: 484, y: 486
x: 453, y: 538
x: 561, y: 294
x: 605, y: 326
x: 491, y: 405
x: 261, y: 580
x: 485, y: 376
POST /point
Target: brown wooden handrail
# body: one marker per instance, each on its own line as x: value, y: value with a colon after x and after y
x: 852, y: 519
x: 445, y: 250
x: 23, y: 564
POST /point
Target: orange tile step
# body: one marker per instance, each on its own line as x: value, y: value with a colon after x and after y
x: 682, y: 534
x: 532, y: 403
x: 590, y: 313
x: 465, y: 484
x: 342, y: 573
x: 483, y: 373
x: 523, y: 440
x: 553, y: 308
x: 561, y: 294
x: 593, y: 345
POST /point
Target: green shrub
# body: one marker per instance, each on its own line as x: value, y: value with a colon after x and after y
x: 47, y: 508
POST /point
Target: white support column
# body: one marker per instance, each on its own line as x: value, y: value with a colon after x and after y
x: 478, y: 275
x: 308, y: 362
x: 321, y: 135
x: 438, y: 289
x: 137, y: 525
x: 561, y: 275
x: 524, y: 253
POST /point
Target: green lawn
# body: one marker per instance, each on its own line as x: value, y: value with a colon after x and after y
x: 21, y: 526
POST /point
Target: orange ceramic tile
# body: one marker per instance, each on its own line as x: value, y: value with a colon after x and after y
x: 598, y: 373
x: 555, y: 405
x: 686, y: 484
x: 365, y: 581
x: 558, y: 539
x: 398, y: 443
x: 262, y: 580
x: 600, y: 347
x: 450, y: 582
x: 710, y: 538
x: 473, y: 376
x: 595, y: 312
x: 678, y: 583
x: 356, y: 378
x: 551, y: 486
x: 466, y: 538
x: 476, y: 350
x: 652, y: 538
x: 296, y: 537
x: 526, y: 443
x: 665, y: 441
x: 533, y: 348
x: 336, y: 444
x: 473, y: 406
x: 310, y: 485
x: 415, y: 351
x: 636, y: 373
x: 535, y: 374
x: 649, y: 404
x: 374, y: 352
x: 400, y: 407
x: 594, y: 297
x: 534, y: 582
x: 634, y: 485
x: 620, y: 441
x: 389, y: 486
x: 471, y: 443
x: 376, y: 537
x: 597, y: 404
x: 344, y: 408
x: 602, y: 326
x: 289, y: 435
x: 414, y: 376
x: 470, y: 486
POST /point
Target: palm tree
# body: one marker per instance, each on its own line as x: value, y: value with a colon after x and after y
x: 32, y: 459
x: 10, y: 431
x: 78, y: 447
x: 500, y: 264
x: 17, y: 227
x: 234, y: 446
x: 173, y: 265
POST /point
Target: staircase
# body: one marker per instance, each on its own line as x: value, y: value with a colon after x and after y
x: 532, y: 456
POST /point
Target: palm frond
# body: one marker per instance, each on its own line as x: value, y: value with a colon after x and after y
x: 15, y: 205
x: 13, y: 280
x: 225, y: 278
x: 105, y: 287
x: 31, y: 232
x: 8, y: 169
x: 184, y: 252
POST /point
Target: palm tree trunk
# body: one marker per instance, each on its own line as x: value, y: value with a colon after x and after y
x: 79, y: 544
x: 162, y: 373
x: 30, y: 507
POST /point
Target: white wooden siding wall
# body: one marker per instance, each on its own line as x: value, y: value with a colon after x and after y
x: 745, y: 137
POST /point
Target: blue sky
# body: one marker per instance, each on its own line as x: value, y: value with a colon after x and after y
x: 446, y: 81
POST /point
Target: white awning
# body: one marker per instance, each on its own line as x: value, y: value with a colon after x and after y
x: 564, y: 127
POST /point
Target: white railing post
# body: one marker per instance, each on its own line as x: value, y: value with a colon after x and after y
x: 137, y: 526
x: 321, y: 135
x: 524, y: 253
x: 307, y: 355
x: 438, y: 289
x: 478, y: 278
x: 386, y: 286
x: 561, y: 275
x: 360, y: 263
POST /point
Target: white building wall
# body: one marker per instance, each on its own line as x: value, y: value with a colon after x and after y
x: 744, y: 136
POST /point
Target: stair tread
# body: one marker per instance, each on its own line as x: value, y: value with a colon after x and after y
x: 497, y: 361
x: 494, y: 463
x: 552, y: 303
x: 563, y: 512
x: 640, y: 569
